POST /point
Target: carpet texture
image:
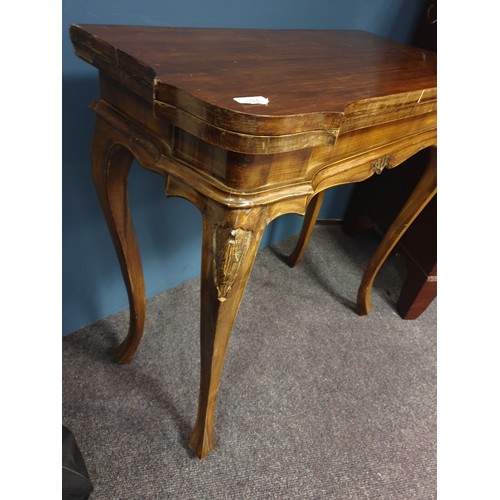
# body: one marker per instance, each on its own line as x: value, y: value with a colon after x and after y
x: 315, y: 402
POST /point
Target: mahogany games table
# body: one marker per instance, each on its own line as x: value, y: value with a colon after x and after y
x: 331, y: 107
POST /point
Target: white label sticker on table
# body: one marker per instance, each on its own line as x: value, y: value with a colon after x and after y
x: 256, y: 99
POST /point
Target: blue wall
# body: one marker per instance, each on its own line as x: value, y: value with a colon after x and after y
x: 171, y: 244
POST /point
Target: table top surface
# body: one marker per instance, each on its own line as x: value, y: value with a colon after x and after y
x: 301, y: 72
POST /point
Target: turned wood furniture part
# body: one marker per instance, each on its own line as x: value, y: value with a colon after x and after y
x: 343, y: 105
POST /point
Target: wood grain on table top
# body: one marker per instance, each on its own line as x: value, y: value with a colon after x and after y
x: 301, y: 72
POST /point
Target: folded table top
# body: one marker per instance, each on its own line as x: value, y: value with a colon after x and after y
x: 313, y: 79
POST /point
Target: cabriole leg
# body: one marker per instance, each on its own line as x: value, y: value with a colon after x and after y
x: 230, y: 243
x: 425, y: 189
x: 110, y: 167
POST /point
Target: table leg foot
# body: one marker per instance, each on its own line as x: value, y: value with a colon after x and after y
x: 307, y: 228
x: 424, y: 191
x: 110, y: 167
x: 202, y: 441
x: 364, y: 302
x: 230, y: 244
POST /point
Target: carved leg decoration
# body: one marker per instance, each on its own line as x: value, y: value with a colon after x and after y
x: 110, y: 167
x: 307, y: 228
x: 420, y: 197
x: 230, y: 243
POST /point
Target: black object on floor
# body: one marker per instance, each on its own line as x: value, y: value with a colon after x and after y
x: 76, y: 484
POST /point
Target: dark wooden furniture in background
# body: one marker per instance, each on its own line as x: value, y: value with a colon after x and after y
x: 343, y: 105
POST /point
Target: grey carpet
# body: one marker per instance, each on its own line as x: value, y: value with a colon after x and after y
x: 315, y: 401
